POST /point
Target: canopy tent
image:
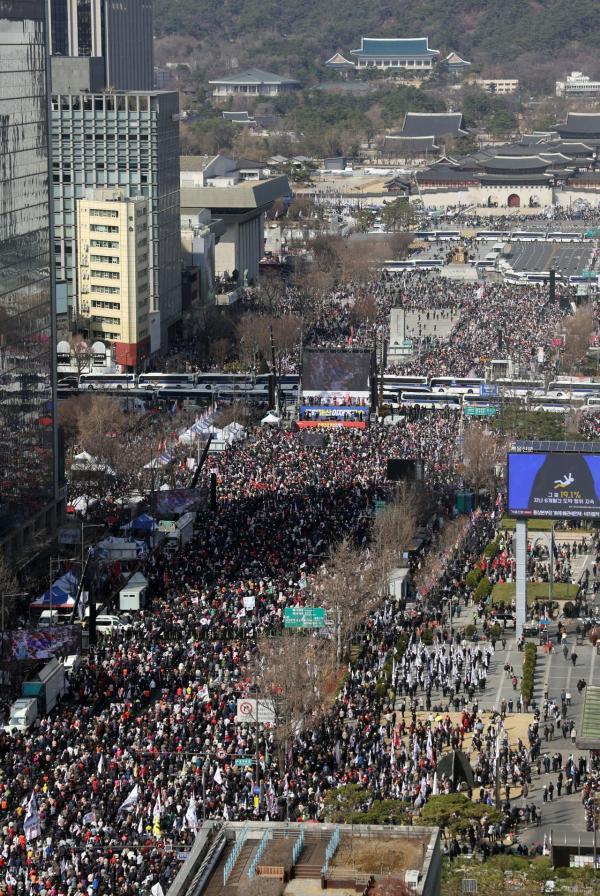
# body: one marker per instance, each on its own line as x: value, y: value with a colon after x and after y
x: 82, y: 504
x: 233, y: 432
x: 455, y: 767
x: 143, y: 523
x: 56, y: 599
x: 67, y: 583
x: 271, y: 419
x: 86, y: 462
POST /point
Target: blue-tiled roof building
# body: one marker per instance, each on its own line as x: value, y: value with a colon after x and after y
x: 413, y: 53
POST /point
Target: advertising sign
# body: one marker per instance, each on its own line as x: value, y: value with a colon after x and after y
x: 554, y: 484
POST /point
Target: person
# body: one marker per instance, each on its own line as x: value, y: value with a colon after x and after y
x: 574, y: 658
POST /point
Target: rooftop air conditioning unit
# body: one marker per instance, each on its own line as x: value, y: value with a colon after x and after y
x: 411, y: 878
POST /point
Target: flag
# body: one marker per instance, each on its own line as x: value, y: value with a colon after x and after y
x: 10, y: 879
x: 174, y: 408
x: 31, y: 825
x: 101, y: 764
x: 203, y: 694
x: 435, y: 788
x: 218, y: 777
x: 89, y: 818
x: 131, y: 800
x: 190, y: 816
x: 157, y: 890
x: 156, y: 813
x: 141, y: 825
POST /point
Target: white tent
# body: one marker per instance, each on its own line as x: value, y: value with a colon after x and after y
x: 233, y: 432
x: 83, y: 503
x: 271, y: 419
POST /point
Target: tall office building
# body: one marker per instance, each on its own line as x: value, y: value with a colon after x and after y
x: 28, y: 465
x: 128, y: 141
x: 117, y: 31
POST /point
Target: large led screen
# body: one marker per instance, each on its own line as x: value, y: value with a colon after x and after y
x: 336, y: 371
x: 554, y: 484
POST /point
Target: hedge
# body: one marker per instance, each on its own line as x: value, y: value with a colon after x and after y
x: 483, y: 590
x: 470, y: 631
x: 473, y: 578
x: 427, y: 636
x: 528, y: 671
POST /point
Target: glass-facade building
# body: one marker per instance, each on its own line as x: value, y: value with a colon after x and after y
x: 117, y: 31
x: 128, y: 141
x: 28, y: 472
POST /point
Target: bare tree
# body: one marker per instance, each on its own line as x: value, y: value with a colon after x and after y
x: 483, y: 450
x: 82, y: 354
x: 287, y: 671
x: 578, y: 330
x: 394, y: 529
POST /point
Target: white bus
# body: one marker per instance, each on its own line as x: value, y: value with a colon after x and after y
x: 573, y: 387
x: 106, y: 381
x: 166, y: 380
x: 456, y: 385
x: 520, y: 388
x: 430, y: 401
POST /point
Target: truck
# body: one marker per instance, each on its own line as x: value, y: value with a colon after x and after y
x: 47, y: 685
x: 178, y: 532
x: 22, y: 715
x: 133, y: 595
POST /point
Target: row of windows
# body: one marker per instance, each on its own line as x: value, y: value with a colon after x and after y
x: 100, y: 319
x: 105, y: 275
x: 104, y: 212
x: 104, y: 334
x: 105, y: 289
x: 100, y: 103
x: 98, y: 303
x: 104, y: 228
x: 103, y: 244
x: 67, y: 136
x: 105, y: 259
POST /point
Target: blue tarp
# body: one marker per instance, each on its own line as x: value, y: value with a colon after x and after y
x: 143, y: 522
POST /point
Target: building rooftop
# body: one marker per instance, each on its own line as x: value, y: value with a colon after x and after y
x: 400, y: 46
x: 411, y: 144
x: 254, y: 76
x: 438, y: 124
x: 589, y: 728
x: 515, y: 163
x: 455, y: 60
x: 295, y: 859
x: 339, y: 61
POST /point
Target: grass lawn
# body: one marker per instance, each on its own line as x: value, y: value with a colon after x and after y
x: 509, y: 523
x: 502, y: 875
x: 504, y: 592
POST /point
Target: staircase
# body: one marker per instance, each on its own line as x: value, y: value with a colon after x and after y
x: 312, y: 858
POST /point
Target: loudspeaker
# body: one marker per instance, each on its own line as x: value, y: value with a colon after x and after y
x: 311, y: 439
x: 552, y: 285
x: 213, y: 492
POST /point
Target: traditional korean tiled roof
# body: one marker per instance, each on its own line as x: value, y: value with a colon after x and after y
x: 383, y: 46
x: 456, y: 61
x: 399, y: 143
x: 440, y: 124
x: 339, y: 61
x: 254, y: 76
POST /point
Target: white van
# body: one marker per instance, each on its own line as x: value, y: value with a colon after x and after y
x: 49, y: 617
x: 23, y: 714
x: 108, y: 624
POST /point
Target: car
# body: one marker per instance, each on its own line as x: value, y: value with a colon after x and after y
x: 107, y: 624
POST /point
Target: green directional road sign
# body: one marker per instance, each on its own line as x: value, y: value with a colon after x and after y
x: 379, y: 506
x: 244, y: 762
x: 304, y: 617
x: 481, y: 411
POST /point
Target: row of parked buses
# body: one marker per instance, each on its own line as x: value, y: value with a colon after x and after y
x: 516, y: 236
x: 209, y: 384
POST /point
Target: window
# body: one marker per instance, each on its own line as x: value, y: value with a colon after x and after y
x: 104, y: 228
x: 104, y: 244
x: 104, y: 212
x: 105, y: 289
x: 98, y: 303
x: 101, y: 319
x: 106, y: 259
x: 105, y: 275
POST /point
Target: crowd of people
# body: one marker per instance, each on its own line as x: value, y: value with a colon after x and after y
x: 105, y: 795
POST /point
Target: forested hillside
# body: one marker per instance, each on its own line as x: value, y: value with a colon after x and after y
x: 532, y: 38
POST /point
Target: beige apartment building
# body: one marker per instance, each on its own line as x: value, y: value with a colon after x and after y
x: 113, y: 272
